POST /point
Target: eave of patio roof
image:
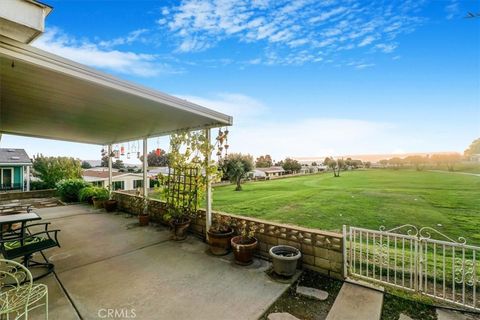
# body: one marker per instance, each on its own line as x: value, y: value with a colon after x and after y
x: 47, y: 96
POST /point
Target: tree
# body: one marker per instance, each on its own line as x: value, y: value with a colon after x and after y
x: 416, y: 161
x: 474, y: 148
x: 236, y: 167
x: 383, y: 162
x: 117, y: 164
x: 53, y: 169
x: 335, y: 165
x: 264, y: 161
x: 356, y: 163
x: 396, y: 162
x: 314, y: 164
x: 447, y: 159
x: 367, y: 164
x: 156, y: 160
x: 291, y: 165
x: 86, y: 165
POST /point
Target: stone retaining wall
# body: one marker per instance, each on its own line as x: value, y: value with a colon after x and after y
x: 322, y: 251
x: 18, y: 195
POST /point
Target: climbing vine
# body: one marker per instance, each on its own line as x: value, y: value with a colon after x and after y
x: 186, y: 187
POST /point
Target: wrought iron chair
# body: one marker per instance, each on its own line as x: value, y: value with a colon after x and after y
x: 18, y: 294
x: 16, y: 243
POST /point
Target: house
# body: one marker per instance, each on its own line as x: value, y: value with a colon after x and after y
x: 153, y: 172
x: 269, y: 172
x: 120, y: 180
x: 14, y: 170
x: 475, y: 157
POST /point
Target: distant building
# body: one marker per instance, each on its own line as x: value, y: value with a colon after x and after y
x: 475, y: 157
x: 153, y: 172
x: 120, y: 180
x: 14, y: 170
x: 269, y: 172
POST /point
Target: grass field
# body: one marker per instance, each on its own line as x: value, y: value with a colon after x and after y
x: 368, y: 198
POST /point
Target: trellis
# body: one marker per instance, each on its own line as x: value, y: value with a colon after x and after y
x: 182, y: 189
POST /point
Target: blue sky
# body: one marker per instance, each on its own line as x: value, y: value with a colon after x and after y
x: 301, y: 78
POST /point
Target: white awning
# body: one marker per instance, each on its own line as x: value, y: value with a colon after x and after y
x: 46, y: 96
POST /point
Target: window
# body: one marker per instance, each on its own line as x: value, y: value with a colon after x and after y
x: 97, y: 183
x: 137, y: 184
x: 118, y: 185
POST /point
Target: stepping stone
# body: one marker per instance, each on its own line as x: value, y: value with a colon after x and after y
x: 356, y: 302
x: 281, y: 316
x: 312, y: 293
x: 445, y: 314
x: 404, y: 317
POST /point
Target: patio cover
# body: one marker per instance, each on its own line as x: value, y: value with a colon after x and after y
x: 46, y: 96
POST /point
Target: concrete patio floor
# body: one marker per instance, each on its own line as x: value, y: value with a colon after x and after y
x: 107, y: 262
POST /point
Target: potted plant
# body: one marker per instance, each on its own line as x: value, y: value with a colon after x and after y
x: 144, y: 217
x: 87, y: 193
x: 179, y: 221
x: 244, y: 244
x: 110, y: 204
x: 219, y: 235
x: 284, y: 260
x: 100, y: 197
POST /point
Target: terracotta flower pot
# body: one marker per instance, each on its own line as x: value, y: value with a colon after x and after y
x: 143, y: 219
x: 220, y: 242
x: 179, y: 229
x: 243, y: 251
x: 110, y: 205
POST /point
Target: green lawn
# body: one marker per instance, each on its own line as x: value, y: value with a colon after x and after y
x: 369, y: 198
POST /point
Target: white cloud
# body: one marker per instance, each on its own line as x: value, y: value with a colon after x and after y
x: 99, y: 56
x: 452, y: 9
x: 243, y: 108
x: 328, y: 14
x: 364, y: 65
x: 387, y: 48
x: 366, y: 41
x: 128, y: 39
x: 258, y: 130
x: 289, y: 28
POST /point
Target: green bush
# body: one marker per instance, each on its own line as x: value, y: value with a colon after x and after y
x: 38, y: 185
x: 102, y: 194
x: 88, y: 193
x: 69, y: 189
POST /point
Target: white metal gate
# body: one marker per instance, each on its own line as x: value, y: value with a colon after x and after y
x: 422, y: 260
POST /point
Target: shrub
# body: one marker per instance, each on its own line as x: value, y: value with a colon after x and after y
x: 102, y: 194
x: 38, y: 185
x: 87, y: 193
x: 69, y: 189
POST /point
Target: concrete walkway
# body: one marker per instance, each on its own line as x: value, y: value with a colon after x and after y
x: 109, y: 265
x: 356, y: 302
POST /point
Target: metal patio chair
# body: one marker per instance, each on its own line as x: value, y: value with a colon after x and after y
x: 18, y: 294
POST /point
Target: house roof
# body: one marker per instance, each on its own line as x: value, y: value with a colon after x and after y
x: 271, y: 169
x: 14, y: 156
x: 101, y: 174
x: 91, y: 175
x: 46, y: 96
